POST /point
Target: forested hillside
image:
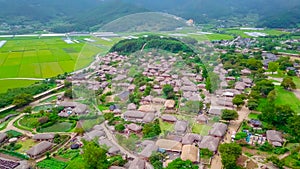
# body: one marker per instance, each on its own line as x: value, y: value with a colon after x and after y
x: 90, y: 15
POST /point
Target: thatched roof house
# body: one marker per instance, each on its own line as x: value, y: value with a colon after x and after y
x: 169, y: 145
x: 134, y: 115
x: 147, y: 109
x: 202, y: 118
x: 43, y: 137
x: 134, y: 127
x: 218, y: 130
x: 158, y: 100
x: 168, y: 118
x: 149, y: 117
x: 181, y: 127
x: 275, y: 138
x: 210, y: 143
x: 93, y: 134
x: 148, y: 150
x: 39, y: 149
x: 3, y: 136
x: 170, y: 104
x: 131, y: 106
x: 215, y: 111
x: 190, y: 152
x: 137, y: 164
x: 190, y: 138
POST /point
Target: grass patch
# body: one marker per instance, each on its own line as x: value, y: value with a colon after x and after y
x: 285, y: 97
x: 26, y: 145
x: 76, y: 163
x: 165, y: 127
x: 51, y: 163
x: 58, y: 127
x: 201, y: 129
x: 253, y: 116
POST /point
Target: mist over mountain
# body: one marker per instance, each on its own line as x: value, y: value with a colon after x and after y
x: 90, y: 15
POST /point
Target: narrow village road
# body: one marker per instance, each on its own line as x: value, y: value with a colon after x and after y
x: 10, y: 126
x: 114, y: 141
x: 216, y: 162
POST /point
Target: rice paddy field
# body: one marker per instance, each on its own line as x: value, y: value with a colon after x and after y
x: 272, y: 32
x: 44, y: 57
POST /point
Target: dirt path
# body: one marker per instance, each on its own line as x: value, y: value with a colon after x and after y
x: 216, y: 162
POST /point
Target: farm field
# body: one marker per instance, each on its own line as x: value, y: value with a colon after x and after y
x: 45, y: 57
x: 58, y: 127
x: 8, y: 84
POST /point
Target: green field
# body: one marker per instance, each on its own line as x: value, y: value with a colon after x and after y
x: 9, y: 84
x: 58, y: 127
x: 45, y: 57
x: 285, y: 97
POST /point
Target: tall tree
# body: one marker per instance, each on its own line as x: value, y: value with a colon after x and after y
x: 229, y: 153
x: 288, y: 83
x: 229, y: 114
x: 273, y: 66
x: 94, y: 156
x: 179, y: 163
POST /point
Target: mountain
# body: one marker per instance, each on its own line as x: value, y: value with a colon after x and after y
x: 64, y: 15
x: 204, y: 11
x: 90, y: 15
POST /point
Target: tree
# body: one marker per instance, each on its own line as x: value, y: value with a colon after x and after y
x: 27, y: 109
x: 277, y: 115
x: 179, y: 163
x: 272, y: 96
x: 294, y: 126
x: 151, y: 130
x: 208, y: 85
x: 273, y: 66
x: 168, y: 91
x: 22, y: 99
x: 156, y: 159
x: 238, y: 100
x: 229, y: 153
x: 288, y: 83
x: 79, y: 130
x: 264, y: 87
x: 69, y: 93
x: 229, y: 115
x: 94, y: 156
x: 120, y: 127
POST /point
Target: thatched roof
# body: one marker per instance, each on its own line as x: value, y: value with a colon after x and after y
x: 210, y: 143
x: 158, y: 100
x: 39, y: 148
x: 148, y: 150
x: 218, y: 130
x: 43, y: 136
x: 181, y: 126
x: 274, y: 136
x: 202, y: 118
x: 215, y: 111
x: 190, y: 138
x: 170, y: 104
x: 134, y: 127
x: 147, y: 109
x: 3, y: 136
x: 131, y: 106
x: 116, y: 167
x: 190, y: 152
x: 169, y: 118
x: 169, y: 145
x: 68, y: 104
x: 137, y: 164
x: 149, y: 117
x: 134, y: 114
x: 93, y: 134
